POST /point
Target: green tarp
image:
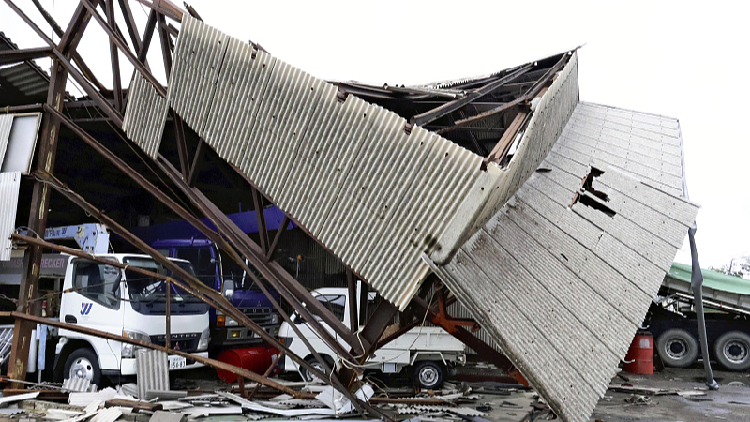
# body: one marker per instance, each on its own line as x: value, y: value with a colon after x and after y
x: 712, y: 279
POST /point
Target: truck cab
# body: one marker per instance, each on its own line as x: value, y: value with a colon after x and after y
x: 126, y: 303
x: 428, y: 351
x: 237, y: 286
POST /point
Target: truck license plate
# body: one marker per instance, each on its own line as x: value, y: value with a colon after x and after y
x: 177, y: 362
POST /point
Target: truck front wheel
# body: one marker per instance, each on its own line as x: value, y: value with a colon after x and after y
x: 677, y: 348
x: 83, y: 363
x: 733, y: 351
x: 317, y: 365
x: 428, y: 374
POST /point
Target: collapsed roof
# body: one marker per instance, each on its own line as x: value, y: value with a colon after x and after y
x: 568, y: 238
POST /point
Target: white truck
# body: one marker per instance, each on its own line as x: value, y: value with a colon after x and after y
x: 426, y: 350
x: 120, y: 302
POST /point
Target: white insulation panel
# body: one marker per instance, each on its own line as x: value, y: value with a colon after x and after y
x: 10, y: 184
x: 561, y: 283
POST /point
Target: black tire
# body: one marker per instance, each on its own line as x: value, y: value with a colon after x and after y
x: 677, y: 348
x: 86, y: 364
x: 307, y: 376
x: 732, y: 351
x: 428, y: 374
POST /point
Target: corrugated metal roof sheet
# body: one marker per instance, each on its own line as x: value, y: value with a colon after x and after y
x: 10, y: 184
x: 6, y: 122
x: 145, y: 116
x: 561, y: 285
x: 374, y: 195
x: 152, y: 371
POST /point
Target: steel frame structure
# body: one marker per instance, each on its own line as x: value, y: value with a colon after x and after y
x: 474, y: 101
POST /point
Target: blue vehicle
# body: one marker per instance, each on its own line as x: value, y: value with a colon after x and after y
x: 179, y: 239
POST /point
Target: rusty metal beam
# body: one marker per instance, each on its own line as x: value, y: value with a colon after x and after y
x: 15, y: 56
x: 90, y: 7
x: 197, y: 159
x: 116, y: 80
x: 261, y: 218
x: 77, y: 59
x: 135, y: 39
x: 487, y: 352
x: 148, y: 34
x: 282, y: 228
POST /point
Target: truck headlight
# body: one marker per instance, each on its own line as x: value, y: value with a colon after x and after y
x: 229, y: 322
x: 128, y: 350
x: 274, y: 318
x: 203, y: 342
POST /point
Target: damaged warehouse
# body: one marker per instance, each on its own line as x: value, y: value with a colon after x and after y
x: 410, y: 204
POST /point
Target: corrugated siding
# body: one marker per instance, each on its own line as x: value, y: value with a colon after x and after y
x: 369, y: 192
x: 6, y: 121
x: 152, y: 370
x: 10, y: 184
x: 561, y: 288
x: 145, y: 115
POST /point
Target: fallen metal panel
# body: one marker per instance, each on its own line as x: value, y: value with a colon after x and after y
x: 373, y: 194
x: 6, y: 120
x: 560, y: 282
x: 347, y: 171
x: 10, y: 184
x: 145, y: 116
x: 152, y: 370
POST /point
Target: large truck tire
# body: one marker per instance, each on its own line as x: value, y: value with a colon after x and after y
x: 677, y: 348
x: 732, y: 351
x: 428, y: 374
x: 83, y: 363
x: 307, y: 376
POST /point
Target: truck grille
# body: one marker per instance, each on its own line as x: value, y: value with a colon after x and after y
x: 260, y: 316
x: 186, y: 342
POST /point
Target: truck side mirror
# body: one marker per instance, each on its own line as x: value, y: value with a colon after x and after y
x: 228, y: 288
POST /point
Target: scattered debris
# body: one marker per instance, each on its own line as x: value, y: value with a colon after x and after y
x: 80, y: 385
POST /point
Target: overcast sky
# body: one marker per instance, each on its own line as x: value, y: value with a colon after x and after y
x: 679, y: 59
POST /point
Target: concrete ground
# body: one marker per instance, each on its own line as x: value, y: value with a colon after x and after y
x: 731, y: 402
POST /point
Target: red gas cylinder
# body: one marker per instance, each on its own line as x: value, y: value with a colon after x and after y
x: 256, y: 359
x: 640, y: 357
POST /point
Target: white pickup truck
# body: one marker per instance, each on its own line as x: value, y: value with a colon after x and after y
x: 429, y: 351
x: 120, y: 302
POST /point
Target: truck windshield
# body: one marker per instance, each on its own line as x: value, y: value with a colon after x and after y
x: 148, y: 294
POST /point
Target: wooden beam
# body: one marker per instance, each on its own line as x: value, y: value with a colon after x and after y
x: 135, y: 38
x: 148, y: 34
x: 77, y: 59
x: 124, y: 48
x: 282, y: 228
x: 15, y: 56
x: 164, y: 7
x: 197, y: 159
x: 451, y: 106
x: 116, y: 81
x: 502, y: 147
x: 527, y: 96
x: 260, y: 217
